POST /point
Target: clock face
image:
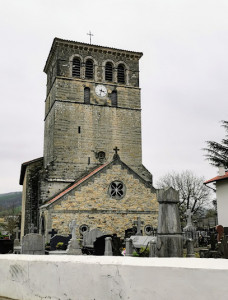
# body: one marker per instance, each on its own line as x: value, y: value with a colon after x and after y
x: 101, y: 90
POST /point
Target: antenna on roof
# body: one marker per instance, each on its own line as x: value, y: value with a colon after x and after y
x: 90, y: 35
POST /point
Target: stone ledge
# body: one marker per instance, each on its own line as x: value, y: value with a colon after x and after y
x: 31, y: 277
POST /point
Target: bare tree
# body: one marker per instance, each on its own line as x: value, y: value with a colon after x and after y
x: 194, y: 194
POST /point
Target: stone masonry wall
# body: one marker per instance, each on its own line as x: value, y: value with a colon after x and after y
x: 101, y: 129
x: 64, y: 54
x: 91, y: 204
x: 31, y: 196
x: 75, y: 132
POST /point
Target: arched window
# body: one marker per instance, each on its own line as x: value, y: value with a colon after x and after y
x: 89, y: 69
x: 87, y: 95
x: 121, y: 73
x: 114, y: 98
x: 76, y: 67
x: 108, y: 71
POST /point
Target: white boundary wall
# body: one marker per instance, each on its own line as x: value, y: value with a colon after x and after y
x: 56, y: 277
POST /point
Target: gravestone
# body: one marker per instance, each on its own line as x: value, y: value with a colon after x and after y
x: 190, y: 248
x: 59, y: 239
x: 142, y: 241
x: 16, y: 241
x: 129, y: 247
x: 6, y: 246
x: 220, y: 231
x: 73, y: 246
x: 32, y: 228
x: 33, y: 243
x: 169, y: 235
x: 189, y: 230
x: 90, y: 237
x: 138, y: 223
x: 130, y: 231
x: 108, y: 246
x: 152, y: 247
x: 99, y: 246
x: 222, y: 242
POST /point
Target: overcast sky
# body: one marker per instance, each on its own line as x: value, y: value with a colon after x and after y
x: 183, y: 74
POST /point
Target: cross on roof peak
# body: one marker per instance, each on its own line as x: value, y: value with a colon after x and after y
x: 116, y: 150
x: 116, y: 155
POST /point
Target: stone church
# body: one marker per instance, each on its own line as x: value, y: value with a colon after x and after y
x: 91, y: 169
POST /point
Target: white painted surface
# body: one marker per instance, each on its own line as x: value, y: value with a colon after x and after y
x: 32, y: 277
x: 222, y: 202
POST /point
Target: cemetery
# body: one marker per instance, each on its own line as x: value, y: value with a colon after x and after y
x: 118, y: 269
x: 93, y: 226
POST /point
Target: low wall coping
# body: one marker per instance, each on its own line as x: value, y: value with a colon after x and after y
x: 189, y: 263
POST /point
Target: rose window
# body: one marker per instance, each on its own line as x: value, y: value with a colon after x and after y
x: 117, y: 190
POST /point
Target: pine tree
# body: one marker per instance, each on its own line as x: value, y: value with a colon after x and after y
x: 217, y: 153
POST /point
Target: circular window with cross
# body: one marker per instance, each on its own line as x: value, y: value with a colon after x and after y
x: 117, y: 190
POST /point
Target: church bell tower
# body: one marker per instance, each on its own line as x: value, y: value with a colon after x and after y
x: 92, y: 105
x: 91, y: 169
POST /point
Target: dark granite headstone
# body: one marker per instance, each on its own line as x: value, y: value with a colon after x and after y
x: 6, y: 246
x: 60, y: 239
x: 130, y: 231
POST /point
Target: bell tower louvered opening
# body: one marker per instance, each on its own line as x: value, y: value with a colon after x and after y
x: 114, y: 98
x: 76, y: 68
x: 87, y: 95
x: 89, y: 69
x: 121, y: 74
x: 108, y: 71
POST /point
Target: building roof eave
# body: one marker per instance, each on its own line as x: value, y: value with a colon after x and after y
x: 24, y: 166
x: 217, y: 178
x: 57, y: 41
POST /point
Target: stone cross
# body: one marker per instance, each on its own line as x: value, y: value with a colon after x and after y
x: 189, y: 217
x: 16, y: 230
x: 90, y: 35
x: 52, y: 232
x: 72, y: 227
x: 138, y: 223
x: 116, y: 150
x: 31, y: 228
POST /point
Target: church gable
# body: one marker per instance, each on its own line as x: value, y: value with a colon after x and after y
x: 111, y: 199
x: 101, y: 178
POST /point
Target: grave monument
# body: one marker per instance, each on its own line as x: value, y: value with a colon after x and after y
x: 169, y: 235
x: 73, y: 246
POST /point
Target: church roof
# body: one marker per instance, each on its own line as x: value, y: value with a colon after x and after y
x: 217, y: 178
x: 116, y: 160
x: 68, y: 189
x: 24, y: 166
x: 57, y: 41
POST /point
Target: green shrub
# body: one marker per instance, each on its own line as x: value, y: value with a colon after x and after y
x: 59, y: 245
x: 135, y: 254
x: 144, y: 252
